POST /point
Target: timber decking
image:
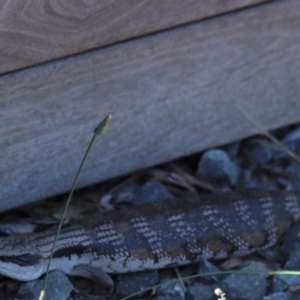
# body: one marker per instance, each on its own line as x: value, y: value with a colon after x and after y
x: 32, y: 32
x: 171, y: 94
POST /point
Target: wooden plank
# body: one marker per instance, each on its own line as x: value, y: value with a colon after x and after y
x: 171, y: 94
x: 32, y: 31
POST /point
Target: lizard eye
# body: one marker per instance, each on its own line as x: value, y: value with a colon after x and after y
x: 22, y: 260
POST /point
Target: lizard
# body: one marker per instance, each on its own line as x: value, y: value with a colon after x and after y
x: 156, y: 235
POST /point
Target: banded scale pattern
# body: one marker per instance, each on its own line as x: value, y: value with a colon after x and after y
x: 157, y: 235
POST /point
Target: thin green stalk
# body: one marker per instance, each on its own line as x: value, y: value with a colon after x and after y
x: 181, y: 279
x: 97, y: 132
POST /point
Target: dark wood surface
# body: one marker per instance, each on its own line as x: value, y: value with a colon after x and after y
x: 33, y: 32
x: 171, y: 94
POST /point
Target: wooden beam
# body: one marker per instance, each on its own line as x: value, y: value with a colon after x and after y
x: 171, y: 94
x: 33, y: 32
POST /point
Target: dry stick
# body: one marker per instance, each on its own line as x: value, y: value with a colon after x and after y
x: 97, y: 132
x: 269, y: 135
x: 180, y: 279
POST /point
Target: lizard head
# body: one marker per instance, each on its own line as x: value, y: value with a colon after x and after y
x: 19, y: 260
